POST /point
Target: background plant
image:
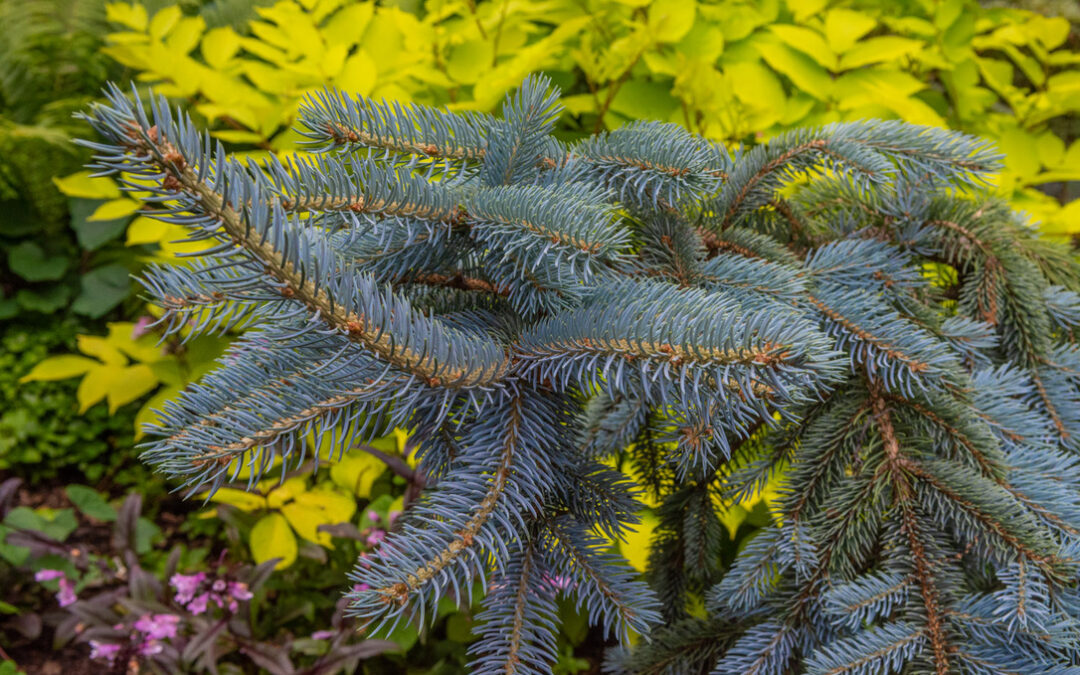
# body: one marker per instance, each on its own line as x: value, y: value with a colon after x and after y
x: 465, y: 56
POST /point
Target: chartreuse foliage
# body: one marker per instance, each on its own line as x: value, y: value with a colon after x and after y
x: 731, y: 70
x: 842, y: 306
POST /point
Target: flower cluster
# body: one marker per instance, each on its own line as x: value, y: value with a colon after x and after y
x: 374, y: 535
x: 195, y: 592
x: 150, y: 630
x: 66, y: 593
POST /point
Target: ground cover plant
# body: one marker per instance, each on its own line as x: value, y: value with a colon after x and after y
x: 841, y: 309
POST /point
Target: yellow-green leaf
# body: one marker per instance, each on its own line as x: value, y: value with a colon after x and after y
x: 145, y: 230
x: 95, y: 386
x: 280, y: 493
x: 144, y: 349
x: 306, y: 521
x: 886, y: 48
x: 148, y: 413
x: 132, y: 15
x: 243, y: 466
x: 356, y: 472
x: 670, y: 20
x: 101, y: 349
x: 358, y: 75
x: 81, y: 184
x: 185, y: 36
x: 636, y: 547
x: 844, y: 26
x: 113, y: 209
x: 1051, y: 31
x: 802, y: 9
x: 338, y: 507
x: 732, y: 517
x: 319, y: 507
x: 60, y: 368
x: 798, y: 67
x: 808, y: 41
x: 469, y: 61
x: 271, y: 538
x: 164, y: 21
x: 347, y: 25
x: 241, y: 499
x: 219, y: 46
x: 131, y: 384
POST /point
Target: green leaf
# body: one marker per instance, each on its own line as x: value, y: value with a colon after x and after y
x: 272, y: 538
x: 30, y: 262
x: 459, y: 628
x: 16, y: 555
x: 82, y: 185
x: 60, y: 368
x: 640, y: 99
x: 102, y: 289
x: 92, y: 234
x: 57, y: 524
x: 43, y: 300
x: 90, y: 502
x: 9, y: 308
x: 145, y: 533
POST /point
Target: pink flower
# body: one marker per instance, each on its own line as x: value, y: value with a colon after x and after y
x: 392, y: 516
x: 105, y: 651
x: 375, y: 537
x: 150, y: 647
x: 186, y: 586
x: 373, y: 516
x: 360, y: 587
x: 48, y: 575
x: 66, y: 595
x: 141, y: 327
x: 239, y: 590
x: 158, y: 626
x: 559, y: 582
x: 218, y: 586
x: 198, y: 604
x: 322, y: 635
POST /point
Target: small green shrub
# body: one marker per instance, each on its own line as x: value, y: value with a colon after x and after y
x: 43, y: 436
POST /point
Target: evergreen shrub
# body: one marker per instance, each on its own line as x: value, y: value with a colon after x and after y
x: 841, y: 309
